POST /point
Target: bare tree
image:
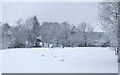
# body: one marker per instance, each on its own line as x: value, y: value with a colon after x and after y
x: 5, y: 35
x: 110, y: 20
x: 85, y: 28
x: 65, y: 32
x: 108, y: 17
x: 33, y: 30
x: 50, y: 32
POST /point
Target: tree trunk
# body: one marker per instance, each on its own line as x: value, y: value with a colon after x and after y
x: 66, y: 41
x: 85, y: 40
x: 57, y: 43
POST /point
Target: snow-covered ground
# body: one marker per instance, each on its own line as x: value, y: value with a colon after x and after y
x: 59, y: 60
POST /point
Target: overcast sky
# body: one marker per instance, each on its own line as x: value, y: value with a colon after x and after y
x: 72, y: 12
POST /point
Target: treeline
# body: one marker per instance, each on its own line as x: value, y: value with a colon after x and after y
x: 30, y: 33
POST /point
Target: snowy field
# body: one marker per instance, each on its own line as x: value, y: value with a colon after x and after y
x: 59, y: 60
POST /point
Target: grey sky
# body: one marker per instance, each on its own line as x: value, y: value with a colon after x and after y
x: 72, y: 12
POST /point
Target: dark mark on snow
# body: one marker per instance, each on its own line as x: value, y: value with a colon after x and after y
x: 43, y: 55
x: 62, y: 60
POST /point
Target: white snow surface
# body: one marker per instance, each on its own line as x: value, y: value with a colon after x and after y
x: 59, y: 60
